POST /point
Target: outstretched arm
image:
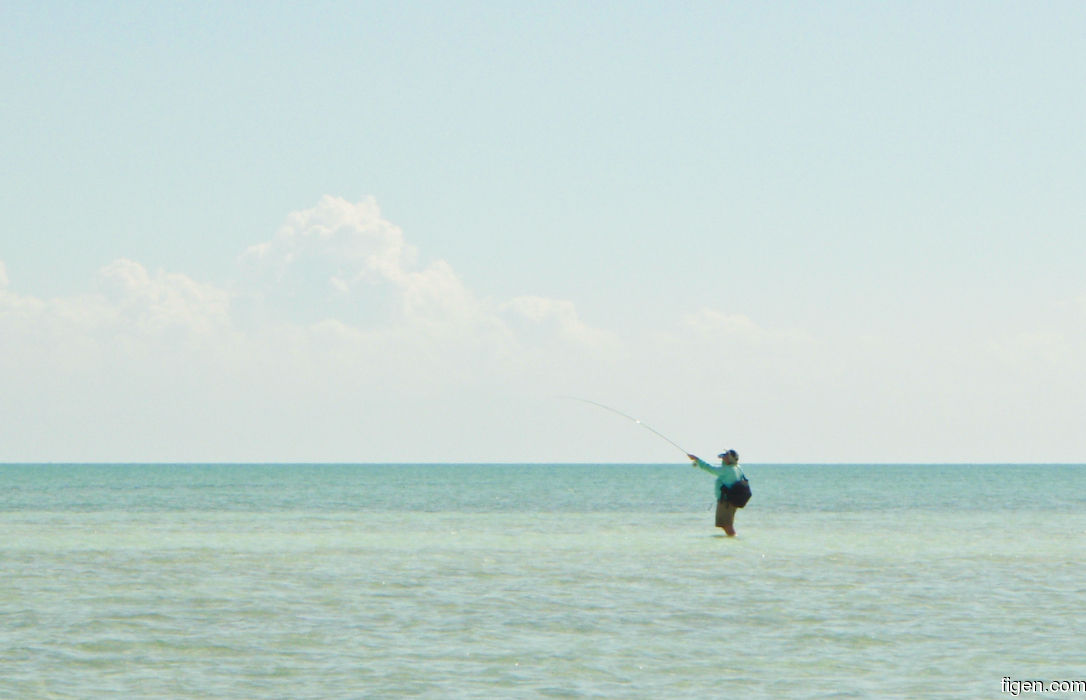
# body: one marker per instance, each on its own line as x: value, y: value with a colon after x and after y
x: 699, y: 462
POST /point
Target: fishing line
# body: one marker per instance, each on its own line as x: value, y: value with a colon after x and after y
x: 629, y: 417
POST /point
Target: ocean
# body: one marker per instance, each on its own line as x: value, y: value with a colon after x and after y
x: 532, y: 580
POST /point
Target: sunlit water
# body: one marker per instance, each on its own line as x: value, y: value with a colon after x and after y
x: 290, y: 581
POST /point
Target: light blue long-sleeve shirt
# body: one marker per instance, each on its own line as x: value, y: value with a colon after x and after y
x: 726, y: 475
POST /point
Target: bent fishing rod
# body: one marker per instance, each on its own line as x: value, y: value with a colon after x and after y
x: 635, y: 420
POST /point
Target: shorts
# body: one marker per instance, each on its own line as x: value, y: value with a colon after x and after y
x: 725, y: 514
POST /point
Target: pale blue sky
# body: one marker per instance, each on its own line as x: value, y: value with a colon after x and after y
x: 894, y: 187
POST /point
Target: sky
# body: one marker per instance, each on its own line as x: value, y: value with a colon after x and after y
x: 406, y: 231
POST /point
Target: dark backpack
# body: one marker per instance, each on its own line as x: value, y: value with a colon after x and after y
x: 739, y: 493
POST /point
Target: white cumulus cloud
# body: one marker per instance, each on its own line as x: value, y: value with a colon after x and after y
x: 343, y: 258
x: 554, y: 319
x: 164, y: 300
x: 350, y: 240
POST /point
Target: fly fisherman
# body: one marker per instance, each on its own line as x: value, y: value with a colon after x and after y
x: 732, y: 489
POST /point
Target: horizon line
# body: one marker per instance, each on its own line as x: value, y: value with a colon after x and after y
x: 499, y: 463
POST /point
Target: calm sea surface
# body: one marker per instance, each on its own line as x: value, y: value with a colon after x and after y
x: 524, y: 581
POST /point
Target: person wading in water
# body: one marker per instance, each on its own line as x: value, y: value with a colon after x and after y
x: 732, y: 488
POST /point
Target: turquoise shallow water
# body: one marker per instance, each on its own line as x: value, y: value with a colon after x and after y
x: 246, y: 581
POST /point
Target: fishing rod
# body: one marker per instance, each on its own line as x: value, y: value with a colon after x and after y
x: 635, y: 420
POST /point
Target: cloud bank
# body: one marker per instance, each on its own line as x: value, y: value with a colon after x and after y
x: 337, y: 339
x: 334, y: 324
